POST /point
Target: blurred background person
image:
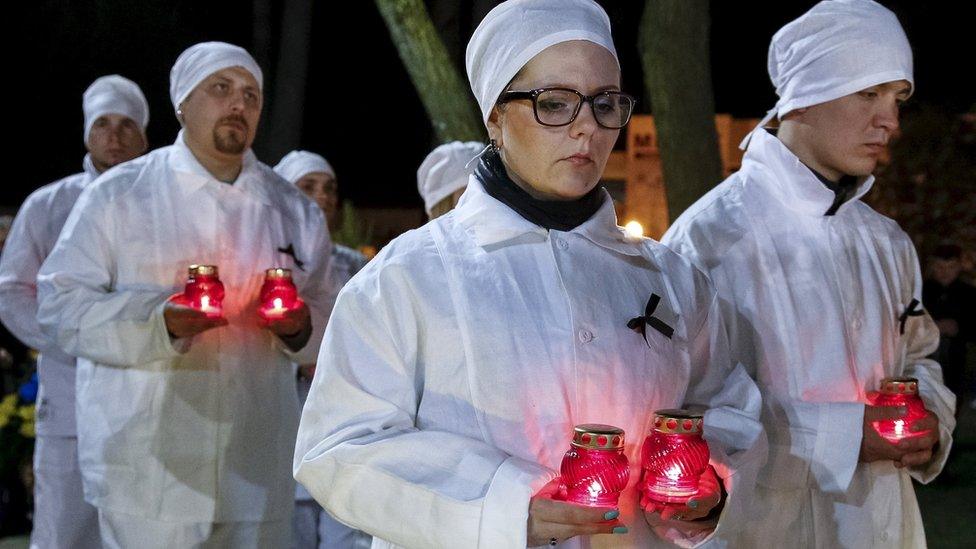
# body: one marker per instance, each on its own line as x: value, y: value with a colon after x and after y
x: 443, y: 175
x: 314, y: 176
x: 116, y: 115
x: 952, y: 304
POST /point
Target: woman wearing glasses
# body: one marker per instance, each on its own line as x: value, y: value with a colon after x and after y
x: 457, y: 363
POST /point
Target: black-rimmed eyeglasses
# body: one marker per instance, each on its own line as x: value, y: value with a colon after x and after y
x: 560, y: 106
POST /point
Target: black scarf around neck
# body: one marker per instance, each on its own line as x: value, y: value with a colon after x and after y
x: 562, y: 215
x: 844, y: 189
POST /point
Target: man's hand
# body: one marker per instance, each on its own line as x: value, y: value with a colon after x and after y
x: 874, y: 447
x: 909, y: 452
x: 918, y: 450
x: 550, y: 519
x: 293, y: 327
x: 185, y: 321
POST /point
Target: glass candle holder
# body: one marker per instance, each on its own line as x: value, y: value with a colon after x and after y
x: 674, y: 456
x: 900, y: 391
x: 278, y: 293
x: 204, y: 291
x: 595, y: 470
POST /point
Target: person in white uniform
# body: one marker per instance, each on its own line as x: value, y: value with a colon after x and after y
x: 443, y: 175
x: 457, y: 363
x: 312, y: 526
x: 821, y: 294
x: 116, y: 115
x: 185, y: 421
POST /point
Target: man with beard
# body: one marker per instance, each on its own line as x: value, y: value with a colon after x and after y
x: 186, y: 421
x: 116, y: 114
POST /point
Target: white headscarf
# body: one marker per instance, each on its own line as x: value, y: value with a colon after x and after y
x: 114, y: 94
x: 837, y: 48
x: 445, y: 170
x: 201, y: 60
x: 517, y: 30
x: 296, y: 164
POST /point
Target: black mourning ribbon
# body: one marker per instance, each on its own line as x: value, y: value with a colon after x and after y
x: 290, y: 250
x: 910, y: 311
x: 639, y: 324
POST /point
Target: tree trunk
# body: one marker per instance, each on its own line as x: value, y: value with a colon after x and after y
x: 444, y: 93
x: 673, y: 42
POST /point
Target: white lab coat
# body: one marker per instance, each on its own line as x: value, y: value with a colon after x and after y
x: 813, y: 305
x: 197, y: 429
x: 312, y: 525
x: 457, y: 362
x: 32, y: 236
x: 62, y: 518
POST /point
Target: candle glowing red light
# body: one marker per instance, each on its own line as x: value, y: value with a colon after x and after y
x: 278, y: 293
x: 595, y: 470
x: 204, y: 291
x: 673, y: 457
x: 899, y: 391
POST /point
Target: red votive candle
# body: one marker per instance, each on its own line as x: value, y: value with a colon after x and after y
x: 674, y: 456
x: 278, y: 293
x: 900, y: 391
x: 204, y: 291
x: 595, y: 470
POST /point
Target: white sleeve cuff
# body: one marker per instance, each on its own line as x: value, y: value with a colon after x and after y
x: 506, y: 507
x: 167, y: 346
x: 837, y: 446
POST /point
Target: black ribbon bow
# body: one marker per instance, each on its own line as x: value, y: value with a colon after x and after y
x: 290, y: 250
x: 639, y: 324
x: 910, y: 311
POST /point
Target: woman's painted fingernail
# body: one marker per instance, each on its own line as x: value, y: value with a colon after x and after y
x: 610, y: 515
x: 693, y: 503
x: 620, y: 530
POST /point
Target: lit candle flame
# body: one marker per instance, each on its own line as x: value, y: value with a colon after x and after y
x: 673, y: 472
x: 595, y: 488
x: 276, y: 303
x: 205, y: 302
x: 634, y: 229
x: 899, y: 428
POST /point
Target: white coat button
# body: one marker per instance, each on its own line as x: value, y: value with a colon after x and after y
x: 562, y: 244
x: 585, y: 336
x: 856, y: 324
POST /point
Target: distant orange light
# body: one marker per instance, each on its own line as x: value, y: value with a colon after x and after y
x: 634, y: 229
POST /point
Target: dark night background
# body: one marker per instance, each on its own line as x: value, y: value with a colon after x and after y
x: 361, y: 111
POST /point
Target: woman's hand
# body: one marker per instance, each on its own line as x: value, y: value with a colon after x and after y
x: 557, y: 520
x: 708, y: 497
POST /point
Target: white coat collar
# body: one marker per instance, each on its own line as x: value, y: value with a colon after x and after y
x: 89, y: 166
x: 792, y: 182
x: 489, y: 221
x: 250, y: 179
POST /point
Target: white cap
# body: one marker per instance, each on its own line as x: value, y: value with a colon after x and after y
x: 201, y: 60
x: 296, y: 164
x: 517, y: 30
x: 114, y: 94
x: 445, y: 170
x: 837, y: 48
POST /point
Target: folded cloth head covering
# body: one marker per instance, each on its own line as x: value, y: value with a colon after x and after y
x: 837, y: 48
x: 114, y: 94
x: 200, y: 61
x: 296, y: 164
x: 517, y: 30
x: 445, y: 170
